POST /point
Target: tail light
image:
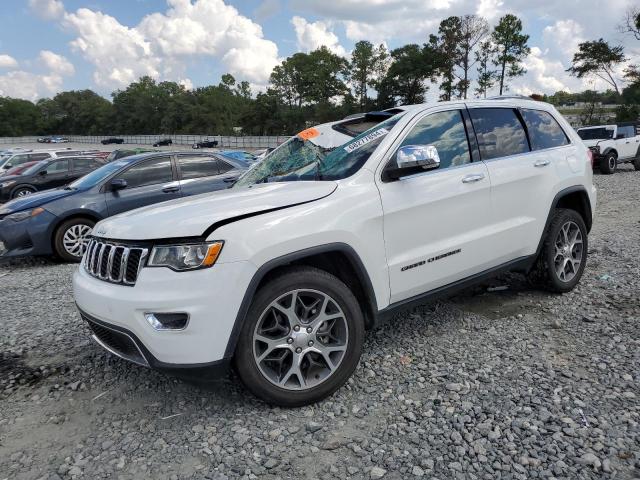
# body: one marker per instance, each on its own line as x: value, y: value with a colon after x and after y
x: 591, y: 157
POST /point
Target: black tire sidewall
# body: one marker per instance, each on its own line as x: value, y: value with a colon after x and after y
x: 299, y: 278
x: 561, y: 217
x: 58, y: 246
x: 604, y: 164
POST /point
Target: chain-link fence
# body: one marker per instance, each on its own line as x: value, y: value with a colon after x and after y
x: 240, y: 142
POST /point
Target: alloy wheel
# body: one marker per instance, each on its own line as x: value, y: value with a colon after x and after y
x: 300, y: 339
x: 568, y: 251
x: 23, y: 193
x: 75, y: 239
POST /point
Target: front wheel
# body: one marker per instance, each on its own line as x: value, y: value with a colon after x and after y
x: 609, y: 163
x: 636, y: 164
x: 302, y: 338
x: 564, y: 253
x: 21, y: 192
x: 70, y: 239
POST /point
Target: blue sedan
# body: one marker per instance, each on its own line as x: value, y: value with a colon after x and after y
x: 58, y: 221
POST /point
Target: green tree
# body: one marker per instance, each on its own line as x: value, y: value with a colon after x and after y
x: 447, y: 48
x: 511, y: 48
x: 598, y: 59
x: 18, y: 117
x: 362, y: 70
x: 473, y: 29
x: 486, y: 75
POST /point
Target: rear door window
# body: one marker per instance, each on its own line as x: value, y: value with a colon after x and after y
x: 150, y: 172
x: 544, y: 130
x: 82, y: 164
x: 499, y: 132
x: 59, y: 166
x: 196, y: 166
x: 38, y: 156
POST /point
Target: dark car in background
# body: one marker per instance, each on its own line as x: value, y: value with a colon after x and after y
x: 58, y: 221
x: 205, y: 144
x: 165, y: 142
x: 110, y: 140
x: 46, y: 174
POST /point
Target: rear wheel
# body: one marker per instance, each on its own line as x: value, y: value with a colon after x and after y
x: 564, y: 253
x: 70, y: 239
x: 22, y: 192
x: 302, y: 338
x: 636, y: 164
x: 609, y: 163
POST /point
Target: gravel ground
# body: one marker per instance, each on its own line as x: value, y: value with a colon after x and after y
x: 494, y: 383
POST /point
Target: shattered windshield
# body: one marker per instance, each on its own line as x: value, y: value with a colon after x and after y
x: 300, y: 159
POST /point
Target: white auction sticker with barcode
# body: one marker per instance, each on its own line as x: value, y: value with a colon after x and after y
x: 366, y: 139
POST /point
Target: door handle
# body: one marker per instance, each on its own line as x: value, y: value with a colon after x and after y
x: 542, y: 163
x: 474, y: 177
x: 171, y: 189
x: 229, y: 179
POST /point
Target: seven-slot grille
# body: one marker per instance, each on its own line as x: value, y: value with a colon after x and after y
x: 114, y: 263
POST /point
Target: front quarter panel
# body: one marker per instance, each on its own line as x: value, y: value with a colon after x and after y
x: 352, y: 215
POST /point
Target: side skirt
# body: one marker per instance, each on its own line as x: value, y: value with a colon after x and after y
x: 519, y: 264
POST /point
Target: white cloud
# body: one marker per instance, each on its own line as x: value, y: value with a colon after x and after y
x: 34, y: 85
x: 7, y: 61
x: 47, y: 9
x: 162, y: 43
x: 565, y: 35
x: 186, y: 83
x: 311, y: 36
x: 56, y: 63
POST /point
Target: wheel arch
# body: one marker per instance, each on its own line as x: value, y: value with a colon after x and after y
x: 23, y: 185
x: 88, y: 214
x: 574, y: 198
x: 338, y: 259
x: 609, y: 150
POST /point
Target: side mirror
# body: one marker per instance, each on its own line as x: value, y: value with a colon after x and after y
x: 7, y: 166
x: 118, y: 184
x: 42, y: 173
x: 425, y: 156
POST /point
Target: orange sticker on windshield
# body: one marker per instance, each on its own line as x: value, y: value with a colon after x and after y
x: 308, y: 133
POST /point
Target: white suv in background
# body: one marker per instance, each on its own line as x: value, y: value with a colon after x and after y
x: 282, y: 274
x: 612, y: 145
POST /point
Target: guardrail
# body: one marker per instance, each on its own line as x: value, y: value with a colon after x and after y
x: 237, y: 142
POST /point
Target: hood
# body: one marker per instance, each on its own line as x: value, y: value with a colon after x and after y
x: 34, y: 200
x: 192, y: 216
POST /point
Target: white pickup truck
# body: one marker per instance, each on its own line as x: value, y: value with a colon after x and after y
x: 612, y: 145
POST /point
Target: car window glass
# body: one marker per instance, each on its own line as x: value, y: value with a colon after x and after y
x: 151, y: 172
x: 18, y: 160
x: 59, y: 166
x: 223, y: 166
x: 499, y: 132
x: 445, y: 131
x: 544, y: 131
x: 196, y: 166
x: 627, y: 131
x: 84, y: 163
x: 39, y: 156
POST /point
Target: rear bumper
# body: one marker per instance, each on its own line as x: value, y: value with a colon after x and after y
x: 124, y: 344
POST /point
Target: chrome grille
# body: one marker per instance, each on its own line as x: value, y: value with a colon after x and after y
x: 114, y: 263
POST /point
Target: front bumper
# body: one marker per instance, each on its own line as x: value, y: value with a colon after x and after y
x: 27, y: 237
x: 211, y: 297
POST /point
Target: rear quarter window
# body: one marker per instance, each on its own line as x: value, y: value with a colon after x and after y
x: 544, y: 130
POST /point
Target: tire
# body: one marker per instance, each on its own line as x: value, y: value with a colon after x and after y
x: 557, y: 254
x: 636, y: 164
x: 65, y: 233
x: 22, y: 192
x: 275, y: 384
x: 609, y: 163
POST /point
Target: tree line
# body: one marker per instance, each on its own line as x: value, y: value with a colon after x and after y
x: 465, y: 58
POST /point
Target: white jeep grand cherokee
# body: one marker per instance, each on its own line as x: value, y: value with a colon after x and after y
x: 282, y: 274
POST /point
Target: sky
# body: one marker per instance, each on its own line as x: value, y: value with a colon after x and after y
x: 47, y: 46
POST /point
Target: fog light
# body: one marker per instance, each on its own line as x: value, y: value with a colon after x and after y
x: 167, y: 321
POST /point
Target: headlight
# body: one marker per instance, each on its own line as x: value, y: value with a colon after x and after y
x: 19, y: 216
x: 7, y: 184
x: 185, y: 257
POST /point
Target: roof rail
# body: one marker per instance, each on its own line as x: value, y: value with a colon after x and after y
x: 510, y: 97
